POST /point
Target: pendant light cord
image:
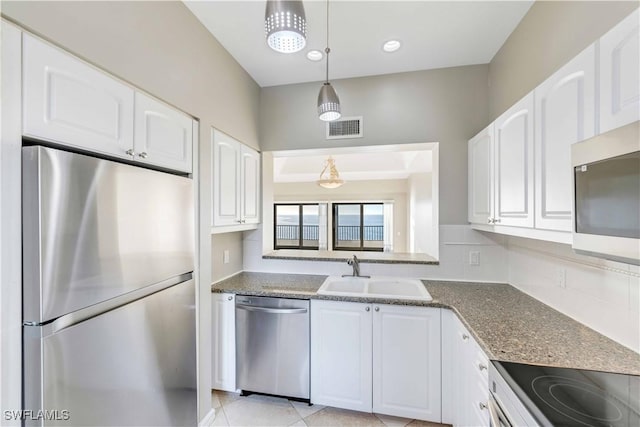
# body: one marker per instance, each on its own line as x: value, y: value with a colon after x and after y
x: 327, y: 50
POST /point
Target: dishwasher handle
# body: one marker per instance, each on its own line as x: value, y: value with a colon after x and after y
x: 271, y: 310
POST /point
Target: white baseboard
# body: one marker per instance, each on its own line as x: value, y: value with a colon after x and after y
x: 207, y: 421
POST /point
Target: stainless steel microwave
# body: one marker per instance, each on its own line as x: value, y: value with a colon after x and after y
x: 606, y: 177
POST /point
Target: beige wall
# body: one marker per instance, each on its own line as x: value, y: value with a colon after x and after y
x: 378, y: 190
x: 163, y: 49
x: 549, y: 35
x: 446, y: 105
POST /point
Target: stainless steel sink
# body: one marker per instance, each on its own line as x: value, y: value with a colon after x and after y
x: 375, y: 287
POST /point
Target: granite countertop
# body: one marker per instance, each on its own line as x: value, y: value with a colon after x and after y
x: 508, y: 324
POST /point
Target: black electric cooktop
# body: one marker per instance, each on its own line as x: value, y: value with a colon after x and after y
x: 575, y: 397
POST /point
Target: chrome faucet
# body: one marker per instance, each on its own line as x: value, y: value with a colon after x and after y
x: 356, y: 268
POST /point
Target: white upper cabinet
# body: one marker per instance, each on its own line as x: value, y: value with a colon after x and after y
x: 481, y: 177
x: 406, y: 361
x: 226, y: 180
x: 236, y: 184
x: 70, y: 102
x: 565, y: 114
x: 163, y: 136
x: 513, y: 157
x: 619, y: 71
x: 250, y: 184
x: 341, y: 339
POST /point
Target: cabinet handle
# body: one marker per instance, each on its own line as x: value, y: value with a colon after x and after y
x: 465, y: 337
x: 377, y: 308
x: 490, y: 220
x: 482, y: 406
x: 367, y: 308
x: 496, y: 220
x: 239, y: 221
x: 230, y: 298
x: 130, y: 152
x: 143, y: 155
x: 482, y: 367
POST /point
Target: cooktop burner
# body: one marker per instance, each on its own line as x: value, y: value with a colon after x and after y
x: 574, y: 397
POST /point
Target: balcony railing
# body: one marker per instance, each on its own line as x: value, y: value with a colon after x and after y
x: 371, y: 233
x: 292, y: 232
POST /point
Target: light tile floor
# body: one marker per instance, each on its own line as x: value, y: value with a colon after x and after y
x: 255, y: 410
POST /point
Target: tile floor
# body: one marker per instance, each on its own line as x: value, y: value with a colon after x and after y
x: 255, y: 410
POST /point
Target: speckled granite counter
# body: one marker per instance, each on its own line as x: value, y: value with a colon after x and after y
x: 508, y: 324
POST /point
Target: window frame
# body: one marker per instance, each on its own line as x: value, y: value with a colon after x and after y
x: 300, y: 226
x: 334, y: 227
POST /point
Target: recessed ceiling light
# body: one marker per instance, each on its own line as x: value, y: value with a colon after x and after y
x: 314, y: 55
x: 391, y: 46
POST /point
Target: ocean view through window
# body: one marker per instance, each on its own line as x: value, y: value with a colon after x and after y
x: 296, y: 226
x: 358, y: 226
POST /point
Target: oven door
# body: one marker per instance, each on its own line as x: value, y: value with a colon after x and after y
x: 497, y: 416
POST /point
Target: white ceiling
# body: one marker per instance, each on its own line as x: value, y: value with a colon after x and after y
x: 434, y: 34
x: 387, y: 162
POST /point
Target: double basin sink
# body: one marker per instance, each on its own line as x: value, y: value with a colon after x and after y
x: 375, y: 287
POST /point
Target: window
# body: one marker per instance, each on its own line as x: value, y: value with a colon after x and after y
x: 296, y: 226
x: 358, y: 226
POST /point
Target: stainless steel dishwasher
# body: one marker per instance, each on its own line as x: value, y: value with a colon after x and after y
x: 272, y: 346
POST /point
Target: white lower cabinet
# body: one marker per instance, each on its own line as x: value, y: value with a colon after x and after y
x: 406, y: 361
x: 223, y: 342
x: 470, y: 379
x: 341, y: 341
x: 376, y: 358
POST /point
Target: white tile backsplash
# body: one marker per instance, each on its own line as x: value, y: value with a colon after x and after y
x: 601, y: 294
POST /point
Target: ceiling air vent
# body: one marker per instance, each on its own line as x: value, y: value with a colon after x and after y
x: 345, y: 128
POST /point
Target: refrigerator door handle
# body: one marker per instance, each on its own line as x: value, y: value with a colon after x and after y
x: 81, y: 315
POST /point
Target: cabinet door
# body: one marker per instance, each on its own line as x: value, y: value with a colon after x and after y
x: 223, y: 342
x: 513, y: 156
x: 565, y: 114
x: 226, y: 180
x: 341, y: 354
x: 406, y: 362
x: 163, y: 135
x: 462, y: 413
x: 72, y: 103
x: 250, y: 186
x: 619, y: 71
x: 481, y: 177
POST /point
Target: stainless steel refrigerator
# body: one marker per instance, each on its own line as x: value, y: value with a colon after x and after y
x: 109, y: 329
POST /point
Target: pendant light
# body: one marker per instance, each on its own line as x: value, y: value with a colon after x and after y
x: 328, y: 101
x: 329, y: 177
x: 285, y: 25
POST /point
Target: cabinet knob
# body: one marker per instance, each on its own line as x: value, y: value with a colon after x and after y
x: 367, y: 308
x: 377, y: 308
x: 496, y: 220
x: 482, y: 366
x: 130, y: 152
x: 230, y: 298
x: 482, y: 406
x: 465, y: 337
x: 143, y: 155
x: 490, y: 220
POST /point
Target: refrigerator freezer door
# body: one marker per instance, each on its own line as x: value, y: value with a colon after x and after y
x: 131, y: 366
x: 94, y: 229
